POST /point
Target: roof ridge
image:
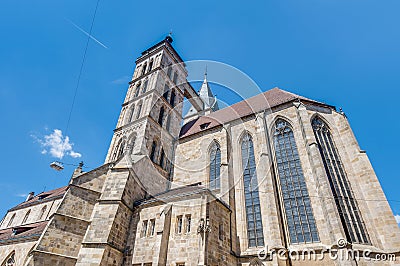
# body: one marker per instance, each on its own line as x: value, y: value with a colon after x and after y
x: 257, y: 103
x: 52, y: 191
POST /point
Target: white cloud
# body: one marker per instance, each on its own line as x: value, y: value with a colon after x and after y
x: 121, y: 80
x: 397, y: 218
x: 57, y: 145
x: 22, y: 195
x: 75, y: 154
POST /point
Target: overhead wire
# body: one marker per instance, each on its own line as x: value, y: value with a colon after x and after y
x: 81, y: 68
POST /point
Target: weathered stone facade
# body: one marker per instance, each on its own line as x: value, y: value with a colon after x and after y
x: 172, y: 195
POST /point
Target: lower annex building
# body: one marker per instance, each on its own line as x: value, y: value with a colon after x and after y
x: 274, y: 172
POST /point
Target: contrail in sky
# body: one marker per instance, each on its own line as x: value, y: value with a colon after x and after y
x: 87, y: 34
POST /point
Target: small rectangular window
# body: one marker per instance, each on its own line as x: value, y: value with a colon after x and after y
x: 221, y: 232
x: 179, y: 224
x: 144, y: 229
x: 188, y: 223
x: 180, y: 264
x: 152, y: 227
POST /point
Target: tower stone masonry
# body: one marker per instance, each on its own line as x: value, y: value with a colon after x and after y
x: 274, y: 173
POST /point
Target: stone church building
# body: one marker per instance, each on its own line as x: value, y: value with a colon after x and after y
x: 242, y: 185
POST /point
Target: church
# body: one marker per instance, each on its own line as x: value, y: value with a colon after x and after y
x: 249, y: 184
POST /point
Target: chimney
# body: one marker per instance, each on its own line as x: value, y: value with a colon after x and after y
x: 78, y: 170
x: 30, y: 196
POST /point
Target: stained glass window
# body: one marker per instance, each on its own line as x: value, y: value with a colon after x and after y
x: 295, y: 199
x: 215, y: 167
x: 346, y: 204
x: 252, y: 199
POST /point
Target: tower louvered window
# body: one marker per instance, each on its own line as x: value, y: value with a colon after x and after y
x: 145, y: 83
x: 153, y: 151
x: 215, y: 167
x: 344, y: 198
x: 131, y: 111
x: 161, y: 116
x: 137, y: 91
x: 252, y: 199
x: 295, y: 199
x: 172, y: 99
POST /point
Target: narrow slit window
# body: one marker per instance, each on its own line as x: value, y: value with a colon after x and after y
x: 152, y: 227
x: 188, y: 223
x: 144, y: 229
x: 215, y: 167
x: 179, y: 222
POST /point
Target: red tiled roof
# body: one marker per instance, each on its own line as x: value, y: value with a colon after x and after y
x: 262, y: 101
x: 44, y: 196
x: 23, y: 231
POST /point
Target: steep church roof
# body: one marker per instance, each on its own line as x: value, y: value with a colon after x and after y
x: 262, y: 101
x: 42, y: 197
x: 22, y: 232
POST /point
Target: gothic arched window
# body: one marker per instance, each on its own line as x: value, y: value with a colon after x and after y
x: 137, y: 91
x: 131, y: 111
x: 139, y: 110
x: 153, y: 151
x: 10, y: 261
x: 215, y: 167
x: 119, y: 150
x: 145, y: 83
x: 42, y: 212
x: 151, y: 65
x: 295, y: 199
x: 344, y: 198
x: 11, y: 220
x: 131, y: 143
x: 172, y: 99
x: 161, y: 116
x: 252, y: 199
x: 144, y: 68
x: 26, y: 216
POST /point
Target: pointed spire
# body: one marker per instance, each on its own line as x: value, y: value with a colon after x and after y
x: 205, y: 93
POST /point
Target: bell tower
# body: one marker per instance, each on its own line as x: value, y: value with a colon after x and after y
x: 150, y: 117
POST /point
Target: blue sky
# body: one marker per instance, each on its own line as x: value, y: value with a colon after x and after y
x: 342, y: 52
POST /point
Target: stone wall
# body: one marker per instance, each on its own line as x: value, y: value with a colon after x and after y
x: 36, y: 214
x: 21, y: 251
x: 191, y: 167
